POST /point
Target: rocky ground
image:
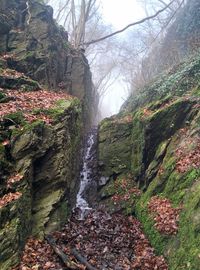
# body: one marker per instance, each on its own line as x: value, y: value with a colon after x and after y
x: 105, y: 241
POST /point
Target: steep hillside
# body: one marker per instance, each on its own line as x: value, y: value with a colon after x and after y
x: 154, y: 144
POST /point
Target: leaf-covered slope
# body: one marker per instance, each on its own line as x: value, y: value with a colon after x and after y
x: 178, y: 81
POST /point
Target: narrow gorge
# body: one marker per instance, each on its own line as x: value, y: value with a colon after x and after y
x: 121, y: 195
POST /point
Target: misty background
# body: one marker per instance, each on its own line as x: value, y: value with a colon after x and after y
x: 125, y: 62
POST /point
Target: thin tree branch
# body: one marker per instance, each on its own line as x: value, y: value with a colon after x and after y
x: 61, y: 10
x: 162, y: 29
x: 129, y: 25
x: 82, y: 260
x: 165, y: 4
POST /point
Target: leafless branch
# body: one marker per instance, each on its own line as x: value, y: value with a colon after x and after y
x: 129, y: 25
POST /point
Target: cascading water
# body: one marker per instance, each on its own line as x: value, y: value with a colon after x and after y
x: 87, y: 174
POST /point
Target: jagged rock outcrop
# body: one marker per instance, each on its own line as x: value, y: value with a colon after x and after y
x: 39, y: 48
x: 161, y: 154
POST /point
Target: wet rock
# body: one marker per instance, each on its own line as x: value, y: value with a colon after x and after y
x: 103, y: 181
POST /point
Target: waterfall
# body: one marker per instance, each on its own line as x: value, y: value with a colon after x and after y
x: 87, y: 173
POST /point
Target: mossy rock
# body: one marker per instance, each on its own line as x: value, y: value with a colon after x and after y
x: 114, y: 147
x: 23, y: 83
x: 62, y: 106
x: 182, y: 249
x: 9, y: 247
x: 14, y: 228
x: 45, y: 210
x: 151, y: 131
x: 119, y: 195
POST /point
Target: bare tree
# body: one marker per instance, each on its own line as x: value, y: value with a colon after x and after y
x: 141, y: 56
x: 76, y: 16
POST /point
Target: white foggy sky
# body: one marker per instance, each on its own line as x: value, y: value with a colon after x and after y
x: 119, y: 13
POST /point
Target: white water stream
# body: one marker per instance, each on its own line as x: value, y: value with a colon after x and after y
x: 85, y: 176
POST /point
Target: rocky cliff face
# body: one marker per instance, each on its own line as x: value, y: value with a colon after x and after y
x: 154, y: 143
x: 39, y: 168
x: 39, y: 48
x: 40, y: 130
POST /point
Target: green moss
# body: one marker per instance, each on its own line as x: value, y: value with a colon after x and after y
x: 156, y: 105
x: 115, y: 147
x: 60, y: 107
x: 15, y: 226
x: 29, y: 54
x: 181, y: 250
x: 59, y: 216
x: 9, y: 239
x: 45, y: 205
x: 2, y: 96
x: 26, y: 127
x: 17, y: 118
x: 157, y: 240
x: 105, y: 123
x: 196, y: 91
x: 184, y: 254
x: 138, y: 144
x: 177, y: 185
